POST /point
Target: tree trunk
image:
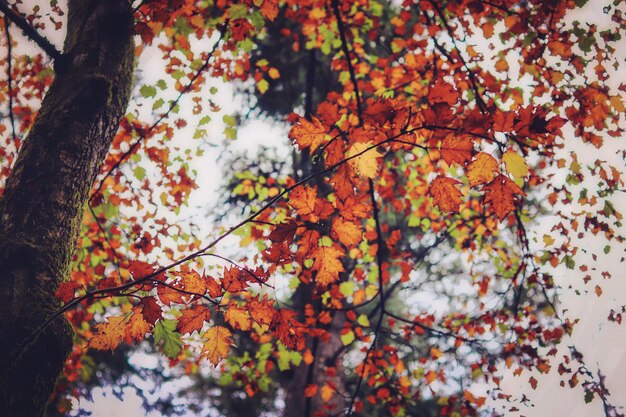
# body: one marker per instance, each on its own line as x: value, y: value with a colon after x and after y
x: 43, y: 203
x: 325, y: 352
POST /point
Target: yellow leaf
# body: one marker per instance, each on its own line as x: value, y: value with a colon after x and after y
x: 548, y: 240
x: 482, y: 170
x: 515, y: 164
x: 617, y: 103
x: 366, y: 164
x: 238, y: 318
x: 137, y: 327
x: 110, y: 334
x: 346, y: 232
x: 217, y: 345
x: 326, y: 392
x: 327, y: 263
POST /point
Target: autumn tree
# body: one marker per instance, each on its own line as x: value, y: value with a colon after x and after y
x: 425, y: 147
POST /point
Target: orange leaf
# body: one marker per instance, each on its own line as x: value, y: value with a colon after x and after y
x: 137, y: 327
x: 327, y: 263
x: 501, y: 195
x: 443, y: 92
x: 110, y: 334
x: 269, y: 9
x: 457, y: 149
x: 238, y: 318
x: 169, y: 295
x: 193, y: 319
x: 217, y: 345
x: 345, y: 231
x: 482, y: 170
x: 310, y: 390
x: 214, y: 288
x: 302, y: 199
x: 445, y: 194
x: 326, y: 392
x: 309, y: 134
x: 235, y: 280
x: 261, y: 311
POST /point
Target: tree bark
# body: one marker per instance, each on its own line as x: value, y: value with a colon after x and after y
x: 44, y: 200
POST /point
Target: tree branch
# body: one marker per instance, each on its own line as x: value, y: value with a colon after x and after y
x: 30, y: 32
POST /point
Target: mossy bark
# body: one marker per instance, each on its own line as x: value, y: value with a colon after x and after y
x: 44, y: 200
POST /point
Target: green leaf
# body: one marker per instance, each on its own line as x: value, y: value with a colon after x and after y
x: 263, y: 86
x: 139, y: 173
x: 347, y: 338
x: 346, y: 288
x: 166, y: 336
x: 147, y: 91
x: 229, y: 120
x: 363, y: 320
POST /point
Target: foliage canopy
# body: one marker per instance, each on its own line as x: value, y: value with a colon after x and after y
x: 403, y: 259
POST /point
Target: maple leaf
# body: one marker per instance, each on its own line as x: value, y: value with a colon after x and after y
x: 346, y: 232
x: 327, y: 263
x: 482, y: 169
x: 150, y: 309
x: 442, y: 92
x: 284, y: 232
x: 217, y: 345
x: 445, y: 194
x: 309, y: 134
x: 166, y: 336
x: 302, y: 199
x: 457, y: 149
x: 501, y: 194
x: 192, y: 282
x: 213, y: 287
x: 192, y: 319
x: 169, y: 295
x: 287, y: 328
x: 269, y: 9
x: 235, y: 280
x: 137, y: 327
x: 261, y: 310
x: 140, y: 269
x: 110, y: 334
x: 365, y: 165
x: 328, y: 113
x: 240, y: 28
x: 238, y: 318
x: 515, y: 164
